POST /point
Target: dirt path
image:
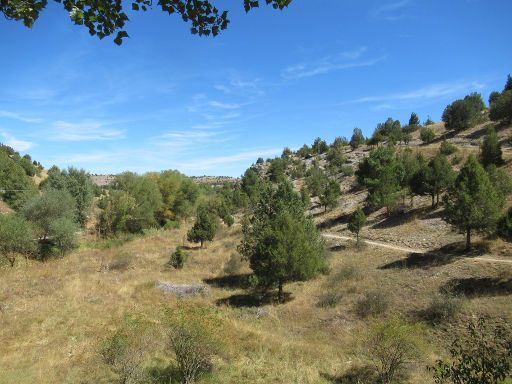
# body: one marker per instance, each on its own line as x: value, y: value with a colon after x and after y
x: 376, y: 243
x: 411, y: 250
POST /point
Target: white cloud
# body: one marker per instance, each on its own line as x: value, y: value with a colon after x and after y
x: 344, y: 60
x: 433, y: 91
x: 19, y: 117
x: 212, y: 162
x: 218, y: 104
x: 18, y: 145
x: 390, y: 11
x: 83, y: 131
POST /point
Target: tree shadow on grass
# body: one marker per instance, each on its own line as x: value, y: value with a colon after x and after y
x: 190, y: 248
x: 438, y: 257
x: 164, y: 375
x: 478, y: 286
x: 329, y: 223
x: 354, y: 375
x: 240, y: 281
x: 253, y: 300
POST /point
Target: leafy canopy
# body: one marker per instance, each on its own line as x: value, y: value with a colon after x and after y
x: 105, y: 17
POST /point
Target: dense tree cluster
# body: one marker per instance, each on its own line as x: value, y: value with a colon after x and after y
x: 464, y: 113
x: 501, y: 103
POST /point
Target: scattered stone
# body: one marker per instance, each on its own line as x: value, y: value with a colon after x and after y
x: 184, y: 290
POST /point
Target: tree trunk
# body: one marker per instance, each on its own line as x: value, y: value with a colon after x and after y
x: 433, y: 200
x: 468, y: 238
x: 280, y: 293
x: 357, y: 238
x: 12, y: 260
x: 437, y: 198
x: 201, y: 243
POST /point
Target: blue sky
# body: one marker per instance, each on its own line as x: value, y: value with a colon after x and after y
x: 167, y: 99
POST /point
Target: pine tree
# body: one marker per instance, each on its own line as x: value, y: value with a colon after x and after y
x: 356, y: 222
x: 473, y: 204
x: 491, y: 149
x: 414, y: 119
x: 281, y: 243
x: 330, y: 194
x: 204, y: 228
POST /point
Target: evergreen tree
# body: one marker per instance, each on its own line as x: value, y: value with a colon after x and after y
x: 281, y: 243
x: 462, y: 114
x: 433, y: 178
x: 501, y: 107
x: 414, y: 119
x: 204, y: 228
x: 427, y: 135
x: 473, y: 204
x: 330, y: 194
x: 382, y: 174
x: 357, y: 138
x: 356, y: 222
x: 491, y: 149
x: 508, y: 84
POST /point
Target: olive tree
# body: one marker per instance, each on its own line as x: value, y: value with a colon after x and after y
x: 16, y: 237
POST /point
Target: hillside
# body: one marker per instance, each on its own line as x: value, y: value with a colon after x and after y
x: 56, y: 315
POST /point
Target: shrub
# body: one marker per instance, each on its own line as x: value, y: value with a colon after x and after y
x: 391, y: 345
x: 191, y: 338
x: 427, y: 135
x: 429, y: 121
x: 483, y: 355
x: 504, y: 228
x: 347, y: 272
x: 347, y: 170
x: 15, y: 237
x: 447, y: 148
x: 125, y: 352
x: 172, y: 224
x: 373, y: 303
x: 120, y: 262
x: 462, y: 114
x: 457, y: 159
x: 234, y: 265
x: 329, y: 299
x: 443, y: 308
x: 178, y: 258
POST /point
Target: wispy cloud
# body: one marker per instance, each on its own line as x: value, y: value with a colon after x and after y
x: 88, y: 130
x: 344, y: 60
x: 18, y: 145
x: 213, y: 162
x: 433, y: 91
x: 218, y: 104
x: 390, y: 11
x: 17, y: 116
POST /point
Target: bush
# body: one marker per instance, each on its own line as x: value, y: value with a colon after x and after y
x: 483, y: 355
x: 373, y: 303
x: 457, y: 159
x: 178, y: 258
x: 120, y: 262
x: 329, y: 299
x: 462, y: 114
x: 348, y: 272
x: 504, y: 228
x: 391, y: 345
x: 191, y: 338
x: 234, y: 265
x: 15, y: 237
x: 443, y: 308
x: 172, y: 224
x: 447, y: 148
x: 427, y: 135
x: 125, y: 352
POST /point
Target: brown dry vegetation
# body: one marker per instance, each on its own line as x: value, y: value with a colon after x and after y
x: 54, y: 315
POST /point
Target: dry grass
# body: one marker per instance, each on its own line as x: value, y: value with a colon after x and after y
x: 54, y: 315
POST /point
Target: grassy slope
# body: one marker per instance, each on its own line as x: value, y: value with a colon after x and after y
x: 54, y: 315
